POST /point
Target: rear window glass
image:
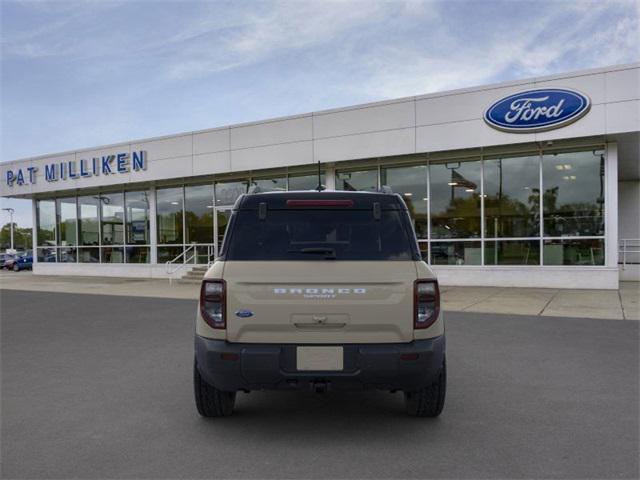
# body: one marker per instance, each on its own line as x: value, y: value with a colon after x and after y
x: 319, y: 235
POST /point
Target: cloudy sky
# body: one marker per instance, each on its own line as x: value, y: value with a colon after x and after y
x: 80, y: 74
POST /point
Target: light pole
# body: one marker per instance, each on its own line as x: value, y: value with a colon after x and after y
x: 11, y: 212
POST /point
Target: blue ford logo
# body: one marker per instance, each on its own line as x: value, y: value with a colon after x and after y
x: 537, y: 110
x: 244, y: 313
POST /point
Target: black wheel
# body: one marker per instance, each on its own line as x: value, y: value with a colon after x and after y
x: 16, y: 268
x: 428, y: 401
x: 210, y: 401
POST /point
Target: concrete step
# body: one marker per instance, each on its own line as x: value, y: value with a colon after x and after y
x: 200, y: 268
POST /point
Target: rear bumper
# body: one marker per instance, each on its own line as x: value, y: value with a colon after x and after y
x: 250, y: 366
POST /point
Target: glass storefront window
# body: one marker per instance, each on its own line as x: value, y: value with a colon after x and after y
x: 455, y: 200
x: 112, y: 217
x: 411, y: 183
x: 512, y: 252
x: 67, y: 255
x: 112, y: 255
x: 166, y: 254
x: 456, y: 253
x: 274, y: 184
x: 137, y: 218
x: 228, y: 192
x: 169, y: 208
x: 573, y: 252
x: 67, y: 221
x: 512, y: 197
x: 198, y: 213
x: 305, y: 182
x: 46, y: 218
x: 573, y: 198
x: 88, y: 227
x: 89, y: 255
x: 47, y: 254
x: 137, y: 254
x: 362, y: 180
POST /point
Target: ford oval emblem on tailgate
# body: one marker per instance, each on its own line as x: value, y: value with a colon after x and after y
x: 244, y: 313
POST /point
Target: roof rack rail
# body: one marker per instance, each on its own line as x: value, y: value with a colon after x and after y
x: 385, y: 189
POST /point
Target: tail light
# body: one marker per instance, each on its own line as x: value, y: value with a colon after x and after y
x: 213, y: 303
x: 426, y: 303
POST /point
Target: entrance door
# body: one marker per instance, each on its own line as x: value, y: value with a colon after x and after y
x: 221, y: 220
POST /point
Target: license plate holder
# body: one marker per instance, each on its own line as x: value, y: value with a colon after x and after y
x: 320, y: 358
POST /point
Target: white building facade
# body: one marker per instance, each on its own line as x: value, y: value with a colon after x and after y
x: 531, y: 183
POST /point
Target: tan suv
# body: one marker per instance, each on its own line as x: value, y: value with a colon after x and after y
x: 319, y: 290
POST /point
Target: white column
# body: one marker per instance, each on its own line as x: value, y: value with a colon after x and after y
x: 153, y: 234
x: 34, y: 231
x: 330, y: 176
x: 611, y: 205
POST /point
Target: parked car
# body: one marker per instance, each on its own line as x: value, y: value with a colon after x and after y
x: 23, y: 262
x: 320, y: 291
x: 7, y: 262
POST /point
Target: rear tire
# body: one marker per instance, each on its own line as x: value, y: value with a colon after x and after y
x: 210, y: 401
x: 428, y: 401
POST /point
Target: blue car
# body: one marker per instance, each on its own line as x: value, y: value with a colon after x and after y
x: 23, y: 262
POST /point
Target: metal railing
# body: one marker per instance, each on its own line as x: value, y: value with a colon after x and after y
x: 188, y: 257
x: 628, y: 247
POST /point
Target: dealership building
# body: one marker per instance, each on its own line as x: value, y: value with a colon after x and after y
x: 529, y: 183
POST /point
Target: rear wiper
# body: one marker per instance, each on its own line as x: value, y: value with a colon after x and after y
x: 330, y: 253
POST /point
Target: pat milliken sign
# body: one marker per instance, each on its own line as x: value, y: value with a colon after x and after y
x: 537, y: 110
x: 115, y: 164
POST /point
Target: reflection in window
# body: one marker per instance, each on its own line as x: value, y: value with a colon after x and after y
x: 47, y: 255
x: 411, y: 184
x: 46, y: 217
x: 363, y: 180
x: 275, y: 184
x: 169, y: 207
x: 573, y: 198
x: 88, y: 221
x: 89, y: 255
x: 228, y: 192
x: 455, y: 200
x: 198, y: 213
x: 512, y: 252
x: 305, y: 182
x: 67, y: 255
x: 456, y: 253
x: 137, y: 254
x: 137, y: 218
x: 112, y: 255
x: 67, y: 213
x: 112, y: 205
x: 574, y: 252
x: 512, y: 197
x: 168, y: 253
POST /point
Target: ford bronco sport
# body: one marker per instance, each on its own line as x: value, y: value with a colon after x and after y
x: 319, y: 290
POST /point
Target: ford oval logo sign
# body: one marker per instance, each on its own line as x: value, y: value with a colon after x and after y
x: 537, y: 110
x: 244, y: 313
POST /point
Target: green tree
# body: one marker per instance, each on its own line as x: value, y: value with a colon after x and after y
x: 21, y: 237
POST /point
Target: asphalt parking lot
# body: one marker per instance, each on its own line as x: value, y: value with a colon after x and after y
x: 99, y: 386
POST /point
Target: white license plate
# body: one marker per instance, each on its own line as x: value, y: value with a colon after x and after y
x: 320, y: 358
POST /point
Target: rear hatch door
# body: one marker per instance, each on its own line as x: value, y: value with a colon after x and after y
x: 320, y: 302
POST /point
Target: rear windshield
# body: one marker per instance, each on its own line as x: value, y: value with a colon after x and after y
x: 319, y: 235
